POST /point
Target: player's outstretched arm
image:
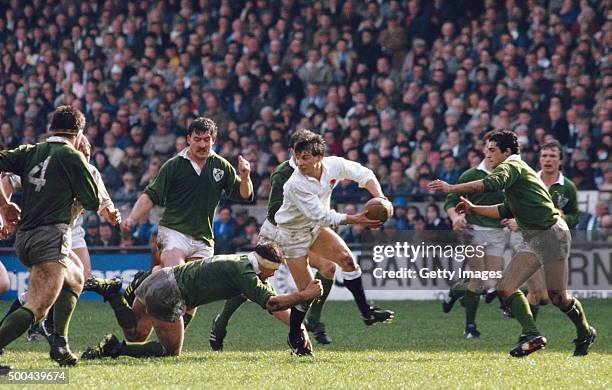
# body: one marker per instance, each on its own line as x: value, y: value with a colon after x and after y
x: 469, y: 187
x: 141, y: 207
x: 466, y: 207
x: 283, y: 302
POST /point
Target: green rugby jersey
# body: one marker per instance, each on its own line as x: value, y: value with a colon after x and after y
x: 484, y: 198
x: 222, y: 277
x: 527, y: 199
x: 191, y: 198
x: 565, y: 197
x: 278, y: 178
x: 53, y: 174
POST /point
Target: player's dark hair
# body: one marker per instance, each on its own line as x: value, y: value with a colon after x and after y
x: 203, y: 125
x: 552, y: 145
x: 269, y: 250
x: 297, y: 135
x: 505, y: 139
x: 307, y: 141
x: 67, y: 120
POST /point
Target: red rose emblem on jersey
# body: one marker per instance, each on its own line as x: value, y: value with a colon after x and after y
x: 332, y: 183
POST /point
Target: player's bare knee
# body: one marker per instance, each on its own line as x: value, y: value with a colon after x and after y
x: 555, y: 297
x: 347, y: 263
x: 172, y: 350
x: 328, y: 270
x: 133, y: 335
x: 505, y: 293
x: 39, y: 309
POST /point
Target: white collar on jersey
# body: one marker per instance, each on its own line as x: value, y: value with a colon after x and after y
x: 57, y: 138
x: 483, y: 167
x: 196, y: 167
x: 513, y: 157
x: 560, y: 180
x: 254, y: 262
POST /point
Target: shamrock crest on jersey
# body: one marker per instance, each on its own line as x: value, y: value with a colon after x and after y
x: 217, y: 174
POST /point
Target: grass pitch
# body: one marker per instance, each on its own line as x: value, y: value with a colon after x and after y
x: 422, y: 348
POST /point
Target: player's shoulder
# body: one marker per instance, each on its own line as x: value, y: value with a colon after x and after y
x: 297, y: 181
x: 219, y: 161
x: 283, y: 170
x: 567, y: 182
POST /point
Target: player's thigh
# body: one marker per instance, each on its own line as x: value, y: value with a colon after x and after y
x: 326, y: 268
x: 83, y: 255
x: 170, y: 335
x: 331, y: 246
x: 300, y: 271
x: 5, y: 281
x: 74, y: 273
x: 172, y: 257
x: 492, y: 264
x: 521, y: 267
x: 46, y: 282
x: 144, y: 324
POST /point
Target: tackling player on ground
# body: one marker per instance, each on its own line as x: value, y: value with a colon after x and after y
x: 546, y: 235
x: 163, y: 297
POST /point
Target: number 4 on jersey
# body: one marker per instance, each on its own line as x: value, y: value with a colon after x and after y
x: 40, y: 170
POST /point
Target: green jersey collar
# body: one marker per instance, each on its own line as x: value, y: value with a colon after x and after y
x: 254, y: 262
x: 560, y: 180
x: 60, y: 139
x: 196, y: 167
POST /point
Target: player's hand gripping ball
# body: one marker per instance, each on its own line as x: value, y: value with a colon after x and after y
x: 379, y: 209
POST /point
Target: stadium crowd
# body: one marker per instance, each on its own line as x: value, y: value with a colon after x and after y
x: 408, y: 88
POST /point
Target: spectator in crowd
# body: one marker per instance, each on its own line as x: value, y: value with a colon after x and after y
x: 128, y: 193
x: 224, y: 229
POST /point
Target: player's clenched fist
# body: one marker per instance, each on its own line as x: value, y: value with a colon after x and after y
x: 314, y: 289
x: 126, y: 226
x: 244, y: 167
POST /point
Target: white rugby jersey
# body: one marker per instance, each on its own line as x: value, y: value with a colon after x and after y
x: 306, y: 200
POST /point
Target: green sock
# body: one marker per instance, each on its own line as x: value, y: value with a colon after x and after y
x: 146, y: 349
x: 62, y: 311
x: 575, y: 312
x: 314, y: 314
x: 520, y: 309
x: 230, y: 306
x: 471, y: 301
x: 14, y: 325
x: 534, y: 310
x: 123, y: 312
x: 187, y: 319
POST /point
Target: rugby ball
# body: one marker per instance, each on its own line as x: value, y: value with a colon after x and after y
x: 378, y: 208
